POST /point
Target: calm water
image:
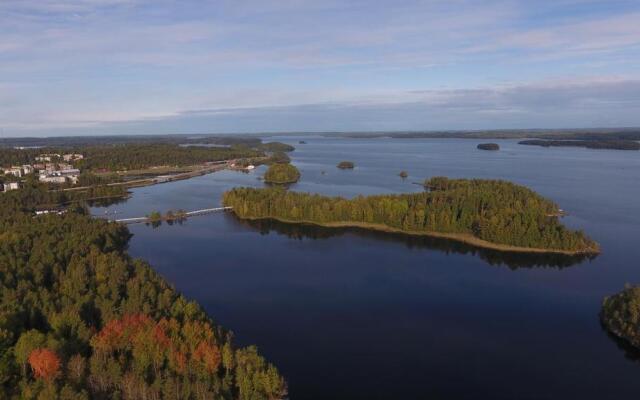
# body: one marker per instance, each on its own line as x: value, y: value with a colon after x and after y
x: 349, y: 314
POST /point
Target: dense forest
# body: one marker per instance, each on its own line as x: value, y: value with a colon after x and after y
x: 488, y: 146
x: 589, y: 144
x: 139, y: 156
x: 621, y: 315
x: 280, y: 173
x: 133, y: 156
x: 80, y: 319
x: 494, y: 211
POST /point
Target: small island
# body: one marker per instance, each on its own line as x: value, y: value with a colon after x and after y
x: 346, y: 165
x: 489, y: 146
x: 403, y: 174
x: 620, y: 315
x: 282, y: 174
x: 589, y: 144
x: 486, y: 213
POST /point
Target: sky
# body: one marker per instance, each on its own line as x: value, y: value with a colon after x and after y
x: 85, y: 67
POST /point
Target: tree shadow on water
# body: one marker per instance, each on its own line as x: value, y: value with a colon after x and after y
x: 512, y: 260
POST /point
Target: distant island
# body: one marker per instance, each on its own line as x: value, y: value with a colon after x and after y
x: 620, y: 315
x: 486, y: 213
x: 282, y: 174
x: 489, y: 146
x: 346, y: 165
x: 589, y: 144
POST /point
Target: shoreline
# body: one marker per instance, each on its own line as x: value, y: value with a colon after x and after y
x: 460, y: 237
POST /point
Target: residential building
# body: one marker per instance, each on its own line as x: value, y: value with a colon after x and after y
x: 72, y: 157
x: 15, y: 171
x: 11, y: 186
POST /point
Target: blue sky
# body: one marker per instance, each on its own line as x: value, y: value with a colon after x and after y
x: 161, y: 66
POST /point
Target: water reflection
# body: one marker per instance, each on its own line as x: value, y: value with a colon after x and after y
x: 498, y: 258
x: 107, y: 201
x: 630, y: 352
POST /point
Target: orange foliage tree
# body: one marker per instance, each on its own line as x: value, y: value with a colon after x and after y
x: 44, y: 363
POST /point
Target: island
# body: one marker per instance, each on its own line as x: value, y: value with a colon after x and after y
x: 620, y: 315
x: 589, y: 144
x: 489, y: 146
x: 346, y: 165
x: 282, y: 174
x: 486, y: 213
x: 403, y: 174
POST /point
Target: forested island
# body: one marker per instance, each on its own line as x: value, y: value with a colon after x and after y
x: 346, y: 165
x: 280, y: 173
x: 488, y: 146
x: 620, y: 314
x: 486, y: 213
x: 80, y: 319
x: 589, y: 144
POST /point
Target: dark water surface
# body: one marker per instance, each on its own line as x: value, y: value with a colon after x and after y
x: 349, y: 314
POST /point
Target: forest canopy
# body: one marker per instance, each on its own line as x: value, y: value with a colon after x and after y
x: 80, y: 319
x: 493, y: 211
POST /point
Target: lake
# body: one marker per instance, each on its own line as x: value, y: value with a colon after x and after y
x: 348, y: 314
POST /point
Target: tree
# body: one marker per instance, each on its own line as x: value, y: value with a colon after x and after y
x: 44, y: 363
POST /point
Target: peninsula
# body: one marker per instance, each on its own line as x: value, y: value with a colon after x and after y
x: 486, y: 213
x: 589, y: 144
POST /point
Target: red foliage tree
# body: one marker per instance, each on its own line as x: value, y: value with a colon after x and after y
x: 209, y: 355
x: 44, y: 363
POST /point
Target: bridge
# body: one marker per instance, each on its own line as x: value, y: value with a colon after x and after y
x: 186, y: 215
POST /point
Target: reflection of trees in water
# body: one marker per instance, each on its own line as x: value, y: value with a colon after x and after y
x: 106, y: 202
x: 630, y: 352
x: 157, y: 223
x: 513, y: 260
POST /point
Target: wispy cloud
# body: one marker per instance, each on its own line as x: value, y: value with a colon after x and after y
x: 595, y: 103
x: 93, y: 62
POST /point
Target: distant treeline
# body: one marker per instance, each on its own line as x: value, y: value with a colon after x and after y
x: 491, y: 210
x: 81, y: 141
x: 590, y: 144
x: 116, y: 157
x: 561, y: 134
x: 80, y: 319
